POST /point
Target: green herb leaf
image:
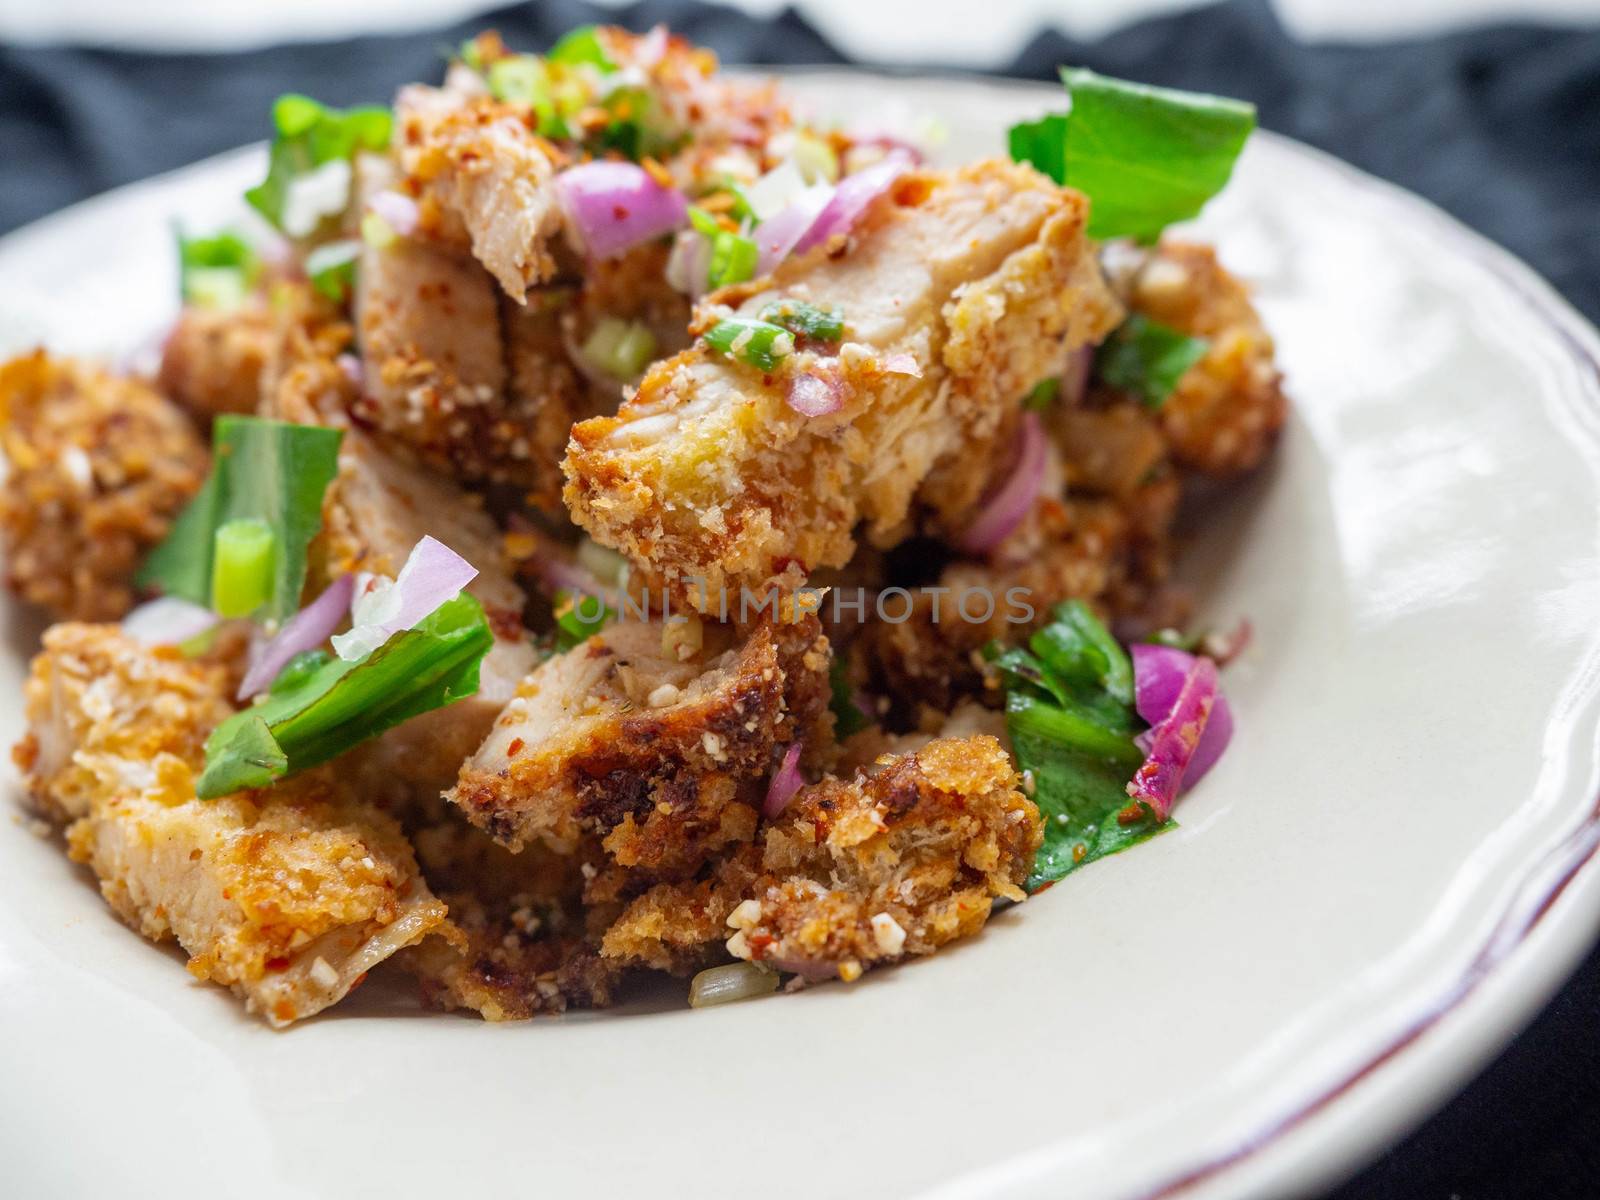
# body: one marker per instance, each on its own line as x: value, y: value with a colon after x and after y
x: 848, y: 716
x: 759, y: 344
x: 1144, y: 156
x: 1069, y: 713
x: 272, y: 471
x: 332, y: 269
x: 340, y: 704
x: 580, y: 46
x: 307, y: 135
x: 806, y: 320
x: 1147, y: 359
x: 217, y: 271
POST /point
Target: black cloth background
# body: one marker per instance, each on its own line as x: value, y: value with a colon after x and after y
x: 1501, y: 126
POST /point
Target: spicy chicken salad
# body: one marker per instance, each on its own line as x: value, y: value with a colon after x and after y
x: 595, y: 519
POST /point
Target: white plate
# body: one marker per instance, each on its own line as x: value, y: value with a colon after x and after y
x: 1381, y: 881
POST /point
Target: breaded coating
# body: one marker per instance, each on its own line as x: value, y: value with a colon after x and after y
x: 1063, y: 549
x: 855, y: 873
x: 977, y: 280
x: 481, y: 164
x: 287, y: 895
x: 306, y: 379
x: 1228, y: 408
x: 546, y: 395
x: 213, y: 360
x: 98, y: 467
x: 628, y: 738
x: 375, y: 511
x: 517, y: 942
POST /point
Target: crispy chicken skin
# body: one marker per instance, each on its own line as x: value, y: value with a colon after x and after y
x: 481, y: 169
x: 983, y: 276
x: 855, y: 873
x: 1228, y: 408
x: 98, y: 466
x: 288, y: 895
x: 213, y: 361
x: 626, y: 738
x: 377, y: 508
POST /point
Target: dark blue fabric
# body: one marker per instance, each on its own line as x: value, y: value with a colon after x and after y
x: 1501, y: 126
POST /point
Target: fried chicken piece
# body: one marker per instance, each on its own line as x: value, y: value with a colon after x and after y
x: 213, y: 360
x: 288, y: 895
x: 855, y: 873
x: 651, y: 749
x: 1063, y: 549
x: 442, y: 375
x: 545, y: 391
x: 517, y: 942
x: 98, y: 468
x: 979, y: 280
x: 305, y: 379
x: 1228, y: 408
x: 477, y: 164
x: 379, y: 507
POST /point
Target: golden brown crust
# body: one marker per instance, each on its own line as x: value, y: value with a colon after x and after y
x: 982, y: 276
x: 1228, y: 408
x: 857, y: 872
x: 98, y: 468
x: 213, y: 361
x: 622, y: 739
x: 288, y: 895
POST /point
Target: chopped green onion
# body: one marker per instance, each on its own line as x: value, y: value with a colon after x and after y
x: 241, y: 567
x: 376, y: 232
x: 756, y: 343
x: 620, y: 348
x: 806, y: 320
x: 524, y: 79
x: 579, y: 617
x: 1147, y: 359
x: 1144, y: 156
x: 815, y: 159
x: 341, y: 704
x: 1043, y: 395
x: 332, y: 269
x: 217, y: 272
x: 273, y: 471
x: 582, y: 46
x: 735, y: 981
x: 733, y: 259
x: 308, y: 135
x: 703, y: 222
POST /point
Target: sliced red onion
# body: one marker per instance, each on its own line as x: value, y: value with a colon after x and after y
x: 777, y: 236
x: 814, y: 394
x: 433, y: 574
x: 1174, y: 742
x: 1159, y: 674
x: 352, y: 368
x: 902, y: 364
x: 1075, y: 379
x: 786, y: 781
x: 306, y: 630
x: 1003, y: 511
x: 168, y: 621
x: 399, y: 212
x: 852, y: 197
x: 613, y: 206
